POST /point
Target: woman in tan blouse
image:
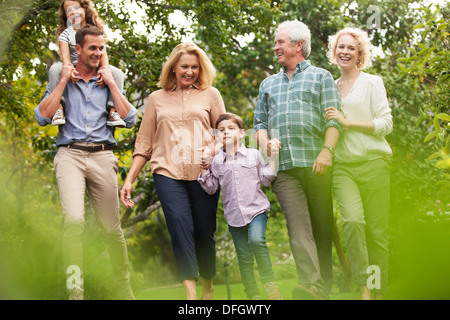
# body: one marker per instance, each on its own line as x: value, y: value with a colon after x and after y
x: 177, y: 124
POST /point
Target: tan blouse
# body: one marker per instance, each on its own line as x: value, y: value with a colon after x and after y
x: 174, y: 127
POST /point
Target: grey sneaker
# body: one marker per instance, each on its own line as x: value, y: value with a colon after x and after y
x: 58, y: 118
x: 114, y: 120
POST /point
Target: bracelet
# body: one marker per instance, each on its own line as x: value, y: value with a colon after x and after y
x: 332, y: 149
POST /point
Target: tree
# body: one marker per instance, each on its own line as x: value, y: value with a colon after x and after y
x: 427, y: 65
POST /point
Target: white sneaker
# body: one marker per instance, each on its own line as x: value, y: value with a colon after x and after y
x: 114, y: 120
x: 58, y: 118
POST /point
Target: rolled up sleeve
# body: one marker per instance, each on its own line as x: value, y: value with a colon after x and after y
x: 130, y: 119
x: 383, y: 123
x: 330, y: 97
x: 42, y: 121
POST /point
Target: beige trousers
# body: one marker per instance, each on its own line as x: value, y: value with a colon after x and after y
x: 78, y: 171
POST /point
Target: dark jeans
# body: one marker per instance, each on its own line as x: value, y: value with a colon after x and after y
x: 190, y: 215
x: 250, y: 244
x: 307, y: 205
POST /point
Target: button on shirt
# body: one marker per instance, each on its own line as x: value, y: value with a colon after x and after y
x: 292, y: 110
x: 240, y: 177
x: 86, y: 114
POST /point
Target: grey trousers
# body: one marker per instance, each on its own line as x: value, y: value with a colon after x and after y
x: 307, y: 205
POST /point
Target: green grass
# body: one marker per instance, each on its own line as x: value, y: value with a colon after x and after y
x: 176, y: 292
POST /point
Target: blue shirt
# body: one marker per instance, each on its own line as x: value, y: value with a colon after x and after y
x: 292, y: 110
x: 86, y: 114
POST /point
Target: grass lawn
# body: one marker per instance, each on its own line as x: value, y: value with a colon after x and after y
x: 176, y: 292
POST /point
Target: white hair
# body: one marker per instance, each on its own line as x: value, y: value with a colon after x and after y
x: 299, y: 32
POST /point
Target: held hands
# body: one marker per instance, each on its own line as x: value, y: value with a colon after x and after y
x: 205, y: 158
x: 104, y: 76
x: 67, y: 71
x: 273, y: 148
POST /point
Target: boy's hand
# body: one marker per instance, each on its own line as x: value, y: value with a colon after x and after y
x: 273, y: 147
x: 206, y: 157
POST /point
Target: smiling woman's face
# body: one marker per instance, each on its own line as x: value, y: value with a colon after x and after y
x: 347, y: 52
x: 187, y: 70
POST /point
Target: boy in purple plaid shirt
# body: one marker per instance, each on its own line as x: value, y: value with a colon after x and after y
x: 240, y: 171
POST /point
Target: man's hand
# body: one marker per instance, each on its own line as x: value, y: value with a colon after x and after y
x: 74, y: 76
x: 104, y: 76
x: 125, y: 195
x: 323, y: 162
x: 66, y: 72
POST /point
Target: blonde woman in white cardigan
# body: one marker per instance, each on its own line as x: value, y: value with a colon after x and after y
x: 360, y: 175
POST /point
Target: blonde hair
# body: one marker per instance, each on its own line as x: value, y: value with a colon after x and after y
x: 363, y: 41
x: 207, y: 72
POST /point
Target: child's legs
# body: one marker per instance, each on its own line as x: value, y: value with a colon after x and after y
x: 257, y: 242
x: 119, y: 79
x: 245, y: 258
x: 54, y: 75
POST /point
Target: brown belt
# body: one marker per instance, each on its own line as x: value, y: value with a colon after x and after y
x: 90, y: 148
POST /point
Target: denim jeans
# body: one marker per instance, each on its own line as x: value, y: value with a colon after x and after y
x: 250, y: 243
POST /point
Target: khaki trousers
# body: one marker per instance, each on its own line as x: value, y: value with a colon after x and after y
x: 78, y: 171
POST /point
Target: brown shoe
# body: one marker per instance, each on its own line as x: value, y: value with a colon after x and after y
x: 306, y: 293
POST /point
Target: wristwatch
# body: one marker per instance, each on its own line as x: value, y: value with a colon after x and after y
x: 332, y: 149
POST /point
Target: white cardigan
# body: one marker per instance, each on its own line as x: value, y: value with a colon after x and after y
x: 366, y: 101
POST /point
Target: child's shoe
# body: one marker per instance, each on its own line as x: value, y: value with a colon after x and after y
x: 114, y: 120
x: 58, y: 118
x: 271, y: 291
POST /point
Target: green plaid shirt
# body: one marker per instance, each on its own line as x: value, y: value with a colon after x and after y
x: 293, y: 110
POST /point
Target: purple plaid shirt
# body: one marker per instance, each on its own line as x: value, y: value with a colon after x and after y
x: 240, y: 177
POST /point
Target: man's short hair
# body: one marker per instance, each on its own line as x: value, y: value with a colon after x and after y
x: 299, y: 33
x: 87, y: 29
x: 231, y: 116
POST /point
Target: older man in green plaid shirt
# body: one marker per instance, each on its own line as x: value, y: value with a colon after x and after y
x: 290, y: 115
